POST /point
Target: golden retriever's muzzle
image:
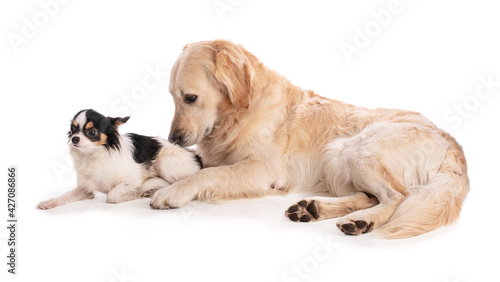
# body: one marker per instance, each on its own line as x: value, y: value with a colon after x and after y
x: 176, y: 137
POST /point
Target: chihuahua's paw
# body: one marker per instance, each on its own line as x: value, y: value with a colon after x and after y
x: 45, y: 205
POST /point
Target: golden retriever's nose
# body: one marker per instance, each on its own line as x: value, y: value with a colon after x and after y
x: 176, y: 137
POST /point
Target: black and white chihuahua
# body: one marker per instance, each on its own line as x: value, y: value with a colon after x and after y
x: 125, y: 167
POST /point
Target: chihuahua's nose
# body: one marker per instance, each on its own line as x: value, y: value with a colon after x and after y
x: 175, y: 137
x: 75, y: 140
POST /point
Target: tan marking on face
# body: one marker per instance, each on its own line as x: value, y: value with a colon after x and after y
x: 89, y: 125
x: 74, y: 123
x: 103, y: 139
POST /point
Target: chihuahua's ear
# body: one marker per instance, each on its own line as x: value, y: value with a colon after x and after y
x: 118, y: 121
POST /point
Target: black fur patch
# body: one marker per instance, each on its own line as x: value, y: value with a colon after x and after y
x: 73, y: 129
x: 105, y: 125
x: 146, y: 148
x: 198, y: 160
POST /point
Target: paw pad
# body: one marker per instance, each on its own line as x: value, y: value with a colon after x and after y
x: 303, y: 211
x: 355, y: 228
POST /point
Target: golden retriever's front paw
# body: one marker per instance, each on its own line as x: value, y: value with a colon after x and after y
x: 45, y: 205
x: 169, y: 198
x: 148, y: 194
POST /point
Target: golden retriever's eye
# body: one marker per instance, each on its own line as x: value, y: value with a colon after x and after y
x: 191, y: 99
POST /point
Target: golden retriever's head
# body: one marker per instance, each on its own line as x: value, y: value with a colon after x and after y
x: 208, y: 79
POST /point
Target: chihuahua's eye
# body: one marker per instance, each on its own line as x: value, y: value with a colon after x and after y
x: 92, y: 132
x: 191, y: 99
x: 73, y: 129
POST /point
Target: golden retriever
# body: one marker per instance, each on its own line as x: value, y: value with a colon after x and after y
x: 387, y: 170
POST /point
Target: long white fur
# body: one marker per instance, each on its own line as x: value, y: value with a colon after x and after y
x: 117, y: 174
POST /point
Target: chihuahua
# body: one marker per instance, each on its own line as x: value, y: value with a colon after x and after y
x: 124, y: 167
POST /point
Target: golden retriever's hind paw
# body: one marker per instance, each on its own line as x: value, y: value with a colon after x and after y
x: 303, y: 211
x: 355, y: 227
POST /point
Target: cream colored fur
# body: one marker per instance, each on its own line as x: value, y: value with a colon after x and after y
x: 116, y: 174
x: 258, y: 134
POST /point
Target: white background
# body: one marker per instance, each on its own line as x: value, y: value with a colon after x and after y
x: 428, y: 57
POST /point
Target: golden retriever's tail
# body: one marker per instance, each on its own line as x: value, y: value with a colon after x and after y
x: 433, y: 205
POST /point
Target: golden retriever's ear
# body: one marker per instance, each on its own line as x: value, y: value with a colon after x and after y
x: 234, y: 71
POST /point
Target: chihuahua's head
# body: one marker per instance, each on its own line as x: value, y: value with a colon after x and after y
x: 91, y: 130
